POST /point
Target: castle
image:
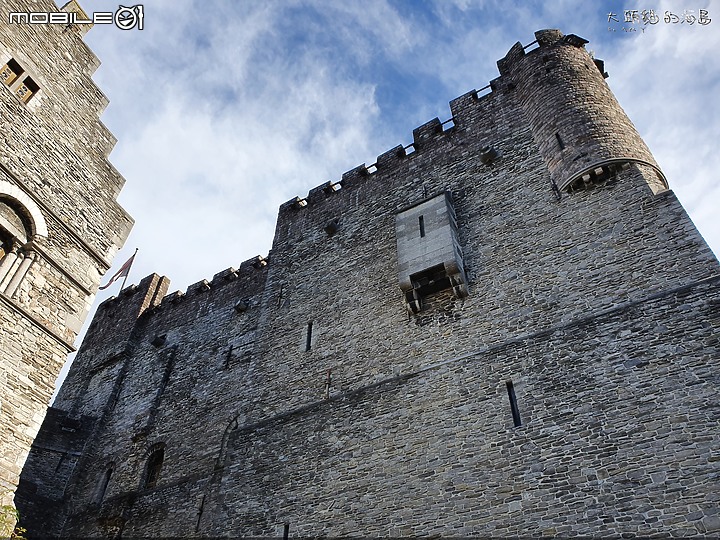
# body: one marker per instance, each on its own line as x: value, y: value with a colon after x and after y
x: 60, y: 224
x: 506, y: 328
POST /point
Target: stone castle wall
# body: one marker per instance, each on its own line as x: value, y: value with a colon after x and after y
x: 302, y: 390
x: 57, y: 186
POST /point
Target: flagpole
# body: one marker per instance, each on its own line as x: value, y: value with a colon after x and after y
x: 128, y: 272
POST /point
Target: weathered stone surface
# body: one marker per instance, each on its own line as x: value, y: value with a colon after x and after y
x: 322, y: 404
x: 60, y: 225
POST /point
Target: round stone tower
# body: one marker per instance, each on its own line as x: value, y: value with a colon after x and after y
x: 583, y: 134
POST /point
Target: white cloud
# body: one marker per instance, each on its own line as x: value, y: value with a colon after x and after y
x: 213, y: 137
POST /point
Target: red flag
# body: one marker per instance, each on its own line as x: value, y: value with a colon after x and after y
x: 123, y: 272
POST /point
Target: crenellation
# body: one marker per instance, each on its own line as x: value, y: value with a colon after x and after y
x: 548, y: 36
x: 496, y: 86
x: 515, y: 54
x: 463, y: 106
x: 115, y: 180
x: 93, y: 99
x: 389, y: 159
x: 258, y: 263
x: 244, y: 276
x: 225, y: 275
x: 354, y: 177
x: 198, y: 287
x: 321, y: 192
x: 385, y: 162
x: 426, y: 132
x: 104, y: 138
x: 173, y: 298
x: 295, y: 203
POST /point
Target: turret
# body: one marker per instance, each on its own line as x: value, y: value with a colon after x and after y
x: 583, y: 134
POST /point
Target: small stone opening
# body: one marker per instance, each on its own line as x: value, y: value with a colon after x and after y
x: 430, y: 281
x: 27, y: 89
x: 103, y: 485
x: 10, y: 72
x: 513, y: 403
x: 154, y: 466
x: 331, y: 227
x: 308, y: 336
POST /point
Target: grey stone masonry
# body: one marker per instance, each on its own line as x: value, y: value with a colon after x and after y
x: 60, y: 224
x: 571, y: 389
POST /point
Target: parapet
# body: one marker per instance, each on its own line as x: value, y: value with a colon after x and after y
x: 247, y: 272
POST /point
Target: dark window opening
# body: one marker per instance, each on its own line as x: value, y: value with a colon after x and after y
x: 430, y: 281
x: 421, y: 221
x: 102, y: 487
x: 154, y: 466
x: 10, y: 72
x: 286, y: 531
x: 5, y: 243
x: 308, y: 336
x: 200, y: 513
x: 513, y: 403
x: 27, y: 89
x: 560, y: 142
x: 332, y: 227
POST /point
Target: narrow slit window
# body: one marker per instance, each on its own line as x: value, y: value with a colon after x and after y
x: 200, y: 514
x: 513, y: 403
x: 102, y: 487
x: 560, y: 142
x: 308, y: 336
x: 421, y: 222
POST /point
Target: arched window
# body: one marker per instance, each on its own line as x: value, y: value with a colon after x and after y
x: 226, y: 437
x: 154, y: 465
x: 20, y: 222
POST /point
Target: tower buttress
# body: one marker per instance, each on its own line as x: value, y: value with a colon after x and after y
x: 582, y: 132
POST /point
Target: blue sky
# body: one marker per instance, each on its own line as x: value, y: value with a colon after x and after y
x: 225, y: 109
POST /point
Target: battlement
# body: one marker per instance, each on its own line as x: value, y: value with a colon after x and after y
x: 465, y: 112
x: 543, y: 39
x: 127, y: 298
x: 423, y: 138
